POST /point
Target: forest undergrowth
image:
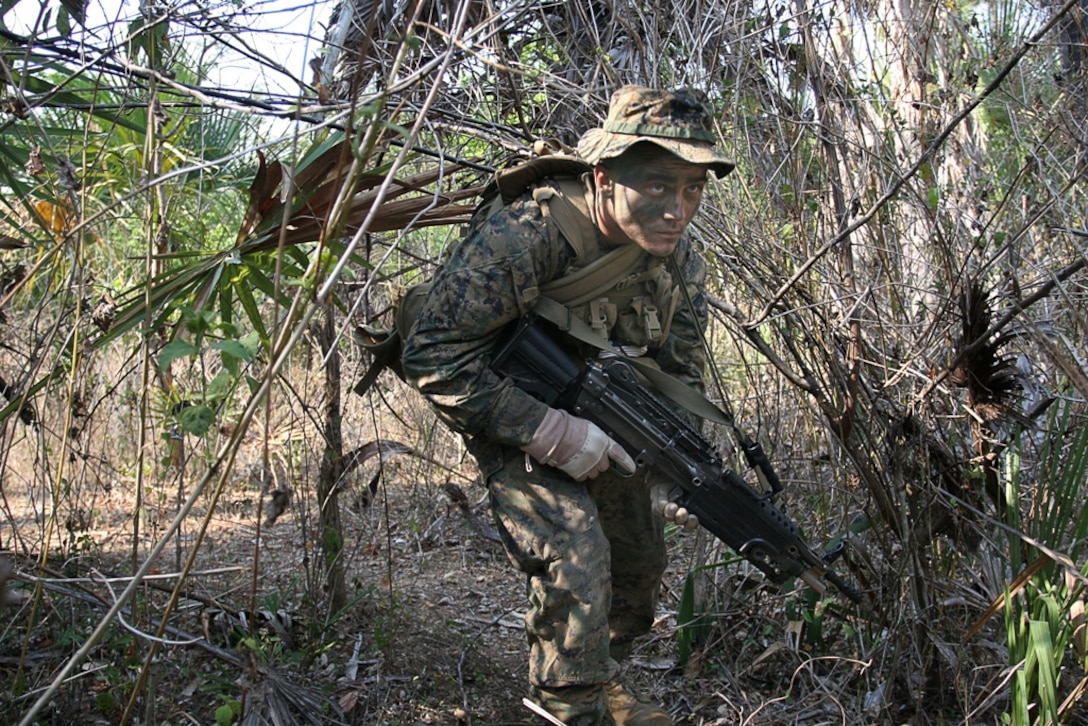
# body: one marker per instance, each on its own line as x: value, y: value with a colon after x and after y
x: 432, y: 632
x: 200, y: 522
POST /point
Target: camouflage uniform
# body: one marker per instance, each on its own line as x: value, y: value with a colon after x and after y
x: 592, y: 551
x: 566, y: 536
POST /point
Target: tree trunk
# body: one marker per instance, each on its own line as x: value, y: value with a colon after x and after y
x: 332, y: 463
x: 1073, y: 31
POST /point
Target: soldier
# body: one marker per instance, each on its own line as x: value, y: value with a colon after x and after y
x: 588, y: 536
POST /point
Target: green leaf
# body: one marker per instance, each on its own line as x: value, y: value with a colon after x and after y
x: 302, y: 261
x: 219, y: 387
x: 151, y: 39
x: 173, y: 350
x: 198, y: 322
x: 64, y: 23
x: 196, y: 420
x: 77, y: 98
x: 224, y: 715
x: 252, y: 342
x: 234, y: 349
x: 1047, y: 669
x: 230, y: 361
x: 226, y: 299
x: 77, y: 9
x: 692, y: 628
x: 249, y: 304
x: 264, y: 283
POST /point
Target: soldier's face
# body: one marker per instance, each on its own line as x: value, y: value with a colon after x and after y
x: 648, y: 196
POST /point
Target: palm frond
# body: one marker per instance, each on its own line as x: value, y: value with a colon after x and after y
x: 990, y: 377
x: 319, y: 184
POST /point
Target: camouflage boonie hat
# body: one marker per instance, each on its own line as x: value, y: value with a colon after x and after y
x: 678, y: 121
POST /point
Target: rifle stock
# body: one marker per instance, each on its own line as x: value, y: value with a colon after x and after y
x: 609, y: 393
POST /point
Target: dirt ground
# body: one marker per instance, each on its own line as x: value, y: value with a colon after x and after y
x: 432, y: 635
x: 432, y: 631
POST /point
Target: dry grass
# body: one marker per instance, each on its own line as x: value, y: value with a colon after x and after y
x: 846, y: 379
x: 433, y: 633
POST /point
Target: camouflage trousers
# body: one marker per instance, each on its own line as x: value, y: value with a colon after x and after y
x: 593, y: 555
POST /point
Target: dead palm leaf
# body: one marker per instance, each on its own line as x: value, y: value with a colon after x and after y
x: 276, y: 701
x: 990, y: 377
x: 317, y: 186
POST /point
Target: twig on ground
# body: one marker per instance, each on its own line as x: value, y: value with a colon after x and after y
x: 461, y: 662
x: 541, y: 712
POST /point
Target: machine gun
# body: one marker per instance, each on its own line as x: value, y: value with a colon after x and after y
x: 540, y: 360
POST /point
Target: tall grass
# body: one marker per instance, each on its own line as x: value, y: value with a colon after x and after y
x: 1044, y: 620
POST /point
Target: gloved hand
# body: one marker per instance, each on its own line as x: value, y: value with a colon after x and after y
x: 576, y: 446
x: 661, y: 496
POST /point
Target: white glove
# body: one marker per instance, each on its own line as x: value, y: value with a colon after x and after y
x: 661, y: 496
x: 576, y: 446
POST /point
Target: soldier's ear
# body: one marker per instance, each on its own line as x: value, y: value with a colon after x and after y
x: 603, y: 179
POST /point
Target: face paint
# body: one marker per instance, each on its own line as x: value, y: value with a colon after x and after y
x: 648, y: 196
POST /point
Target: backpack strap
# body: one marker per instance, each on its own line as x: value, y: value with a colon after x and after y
x: 556, y: 181
x: 566, y: 212
x: 596, y: 278
x: 385, y: 347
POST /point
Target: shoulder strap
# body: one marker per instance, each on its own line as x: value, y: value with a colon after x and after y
x: 596, y: 278
x: 566, y: 213
x: 556, y: 182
